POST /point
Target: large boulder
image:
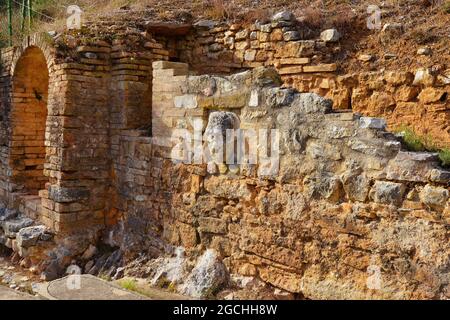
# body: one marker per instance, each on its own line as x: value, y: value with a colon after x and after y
x: 207, y: 277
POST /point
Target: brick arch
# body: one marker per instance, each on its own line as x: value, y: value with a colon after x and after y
x: 41, y: 41
x: 31, y: 70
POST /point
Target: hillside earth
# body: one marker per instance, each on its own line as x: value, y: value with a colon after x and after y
x: 426, y: 23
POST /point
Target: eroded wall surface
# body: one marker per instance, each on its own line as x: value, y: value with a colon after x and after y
x: 415, y: 98
x: 349, y: 214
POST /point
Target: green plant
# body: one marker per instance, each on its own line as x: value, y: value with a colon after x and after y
x: 412, y: 140
x: 416, y: 142
x: 446, y: 7
x: 444, y: 156
x: 129, y: 284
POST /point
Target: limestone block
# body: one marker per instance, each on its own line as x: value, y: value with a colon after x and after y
x: 372, y: 123
x: 212, y: 225
x: 330, y: 35
x: 221, y: 186
x: 241, y: 35
x: 388, y: 192
x: 29, y: 236
x: 431, y: 95
x: 265, y: 30
x: 411, y: 166
x: 398, y: 78
x: 291, y: 36
x: 254, y: 98
x: 277, y: 97
x: 288, y: 61
x: 61, y: 194
x: 311, y: 103
x: 434, y: 197
x: 276, y: 35
x: 169, y: 65
x: 283, y: 16
x: 406, y: 93
x: 321, y: 68
x: 356, y: 186
x: 423, y: 77
x: 290, y: 70
x: 187, y: 101
x: 242, y: 45
x: 11, y: 227
x: 188, y: 235
x: 439, y: 176
x: 250, y: 55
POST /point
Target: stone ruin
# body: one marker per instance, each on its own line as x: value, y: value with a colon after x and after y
x: 88, y: 134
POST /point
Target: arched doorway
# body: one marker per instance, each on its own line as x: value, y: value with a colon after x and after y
x: 28, y: 118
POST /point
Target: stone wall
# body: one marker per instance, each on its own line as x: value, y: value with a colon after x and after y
x: 415, y: 98
x: 350, y: 214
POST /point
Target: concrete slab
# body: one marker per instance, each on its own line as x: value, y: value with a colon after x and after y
x: 9, y: 294
x: 86, y: 287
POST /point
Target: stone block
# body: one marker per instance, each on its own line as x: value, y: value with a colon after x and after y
x: 29, y: 236
x: 411, y: 166
x: 62, y: 194
x: 212, y: 225
x: 330, y: 35
x: 434, y: 197
x: 321, y: 68
x: 288, y: 61
x: 390, y: 193
x: 169, y: 65
x: 372, y: 123
x: 188, y: 101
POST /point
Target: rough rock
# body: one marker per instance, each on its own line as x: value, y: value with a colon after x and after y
x: 311, y: 103
x: 411, y: 166
x: 283, y: 16
x: 207, y: 277
x: 29, y: 236
x: 434, y: 197
x: 11, y: 227
x: 388, y: 192
x: 426, y: 51
x: 330, y: 35
x: 372, y: 123
x: 90, y: 252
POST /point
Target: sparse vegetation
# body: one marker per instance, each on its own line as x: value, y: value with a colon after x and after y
x: 416, y: 142
x: 446, y: 7
x: 312, y: 17
x: 219, y: 10
x: 129, y: 284
x: 444, y: 156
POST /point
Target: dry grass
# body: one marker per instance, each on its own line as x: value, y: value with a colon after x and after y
x: 220, y: 10
x: 253, y: 15
x: 312, y: 17
x: 343, y: 20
